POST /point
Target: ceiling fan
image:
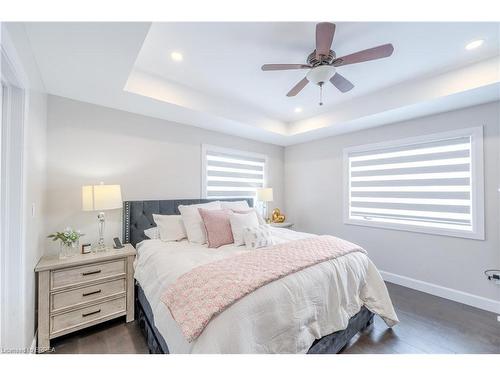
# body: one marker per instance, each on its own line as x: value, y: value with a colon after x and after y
x: 322, y: 62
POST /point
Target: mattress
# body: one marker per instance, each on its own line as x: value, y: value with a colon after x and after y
x: 284, y: 316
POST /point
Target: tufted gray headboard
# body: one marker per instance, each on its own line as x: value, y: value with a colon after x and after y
x: 138, y: 215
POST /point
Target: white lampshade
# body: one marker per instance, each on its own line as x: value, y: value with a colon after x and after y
x: 101, y: 197
x: 265, y: 195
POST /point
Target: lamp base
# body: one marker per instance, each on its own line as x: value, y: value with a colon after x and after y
x: 101, y: 246
x: 266, y: 212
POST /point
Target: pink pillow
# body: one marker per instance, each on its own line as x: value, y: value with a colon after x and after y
x: 217, y: 227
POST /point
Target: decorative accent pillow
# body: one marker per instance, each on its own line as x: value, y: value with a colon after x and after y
x: 192, y: 220
x: 170, y: 227
x: 152, y: 233
x: 241, y: 221
x: 217, y: 227
x: 259, y: 216
x: 258, y: 237
x: 238, y: 205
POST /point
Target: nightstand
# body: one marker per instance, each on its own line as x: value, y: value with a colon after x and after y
x: 83, y: 290
x: 282, y: 225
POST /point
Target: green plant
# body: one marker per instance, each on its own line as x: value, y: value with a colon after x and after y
x: 68, y: 237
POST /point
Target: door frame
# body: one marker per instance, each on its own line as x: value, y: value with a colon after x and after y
x: 12, y: 194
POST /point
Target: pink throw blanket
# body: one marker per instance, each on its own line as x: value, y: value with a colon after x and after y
x: 205, y: 291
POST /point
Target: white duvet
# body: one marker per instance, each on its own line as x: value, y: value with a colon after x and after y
x: 284, y: 316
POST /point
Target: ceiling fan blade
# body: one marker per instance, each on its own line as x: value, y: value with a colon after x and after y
x: 324, y: 38
x: 299, y: 86
x: 266, y: 67
x: 341, y: 83
x: 374, y: 53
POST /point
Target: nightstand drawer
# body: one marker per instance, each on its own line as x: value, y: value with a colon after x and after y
x: 77, y: 275
x: 73, y: 319
x: 86, y: 294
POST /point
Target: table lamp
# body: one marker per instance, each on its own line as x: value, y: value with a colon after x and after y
x: 265, y: 195
x: 100, y: 198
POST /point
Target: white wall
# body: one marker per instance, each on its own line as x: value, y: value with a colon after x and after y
x: 34, y: 183
x: 149, y: 158
x: 313, y: 180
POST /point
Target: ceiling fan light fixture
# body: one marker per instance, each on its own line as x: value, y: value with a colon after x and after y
x: 320, y: 74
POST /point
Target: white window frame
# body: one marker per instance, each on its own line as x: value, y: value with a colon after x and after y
x: 207, y: 147
x: 477, y: 183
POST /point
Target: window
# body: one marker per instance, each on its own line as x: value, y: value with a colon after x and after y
x: 230, y: 173
x: 431, y: 184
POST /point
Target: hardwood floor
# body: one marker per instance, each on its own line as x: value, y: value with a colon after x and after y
x: 428, y: 325
x: 113, y: 337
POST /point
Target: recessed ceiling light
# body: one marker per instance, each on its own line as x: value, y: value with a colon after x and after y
x: 298, y: 110
x: 176, y: 56
x: 474, y: 44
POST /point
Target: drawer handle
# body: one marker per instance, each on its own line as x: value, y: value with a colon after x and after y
x: 91, y: 272
x: 91, y: 313
x: 90, y: 293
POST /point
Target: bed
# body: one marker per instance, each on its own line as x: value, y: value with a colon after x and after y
x: 299, y: 313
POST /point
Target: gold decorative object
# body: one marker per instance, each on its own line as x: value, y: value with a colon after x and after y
x: 277, y: 217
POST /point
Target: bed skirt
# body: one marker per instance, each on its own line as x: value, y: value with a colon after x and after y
x: 144, y: 314
x: 329, y: 344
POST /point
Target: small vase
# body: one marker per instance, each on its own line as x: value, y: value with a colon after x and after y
x: 68, y: 250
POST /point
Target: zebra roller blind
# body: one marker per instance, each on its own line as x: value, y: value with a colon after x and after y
x: 232, y: 174
x: 429, y: 184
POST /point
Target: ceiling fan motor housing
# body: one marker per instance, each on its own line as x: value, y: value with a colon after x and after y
x: 324, y: 59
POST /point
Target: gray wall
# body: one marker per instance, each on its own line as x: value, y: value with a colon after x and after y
x: 313, y: 180
x: 149, y: 158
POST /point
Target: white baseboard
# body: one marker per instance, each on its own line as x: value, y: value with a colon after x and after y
x: 444, y: 292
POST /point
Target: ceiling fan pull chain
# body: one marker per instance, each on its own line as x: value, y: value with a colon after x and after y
x: 321, y: 93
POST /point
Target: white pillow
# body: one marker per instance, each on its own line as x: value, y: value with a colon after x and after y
x: 170, y: 227
x: 238, y: 205
x: 258, y: 237
x: 251, y: 209
x: 192, y: 220
x: 152, y: 233
x: 241, y: 221
x: 259, y: 216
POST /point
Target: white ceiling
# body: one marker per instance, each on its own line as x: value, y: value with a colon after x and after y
x: 219, y: 84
